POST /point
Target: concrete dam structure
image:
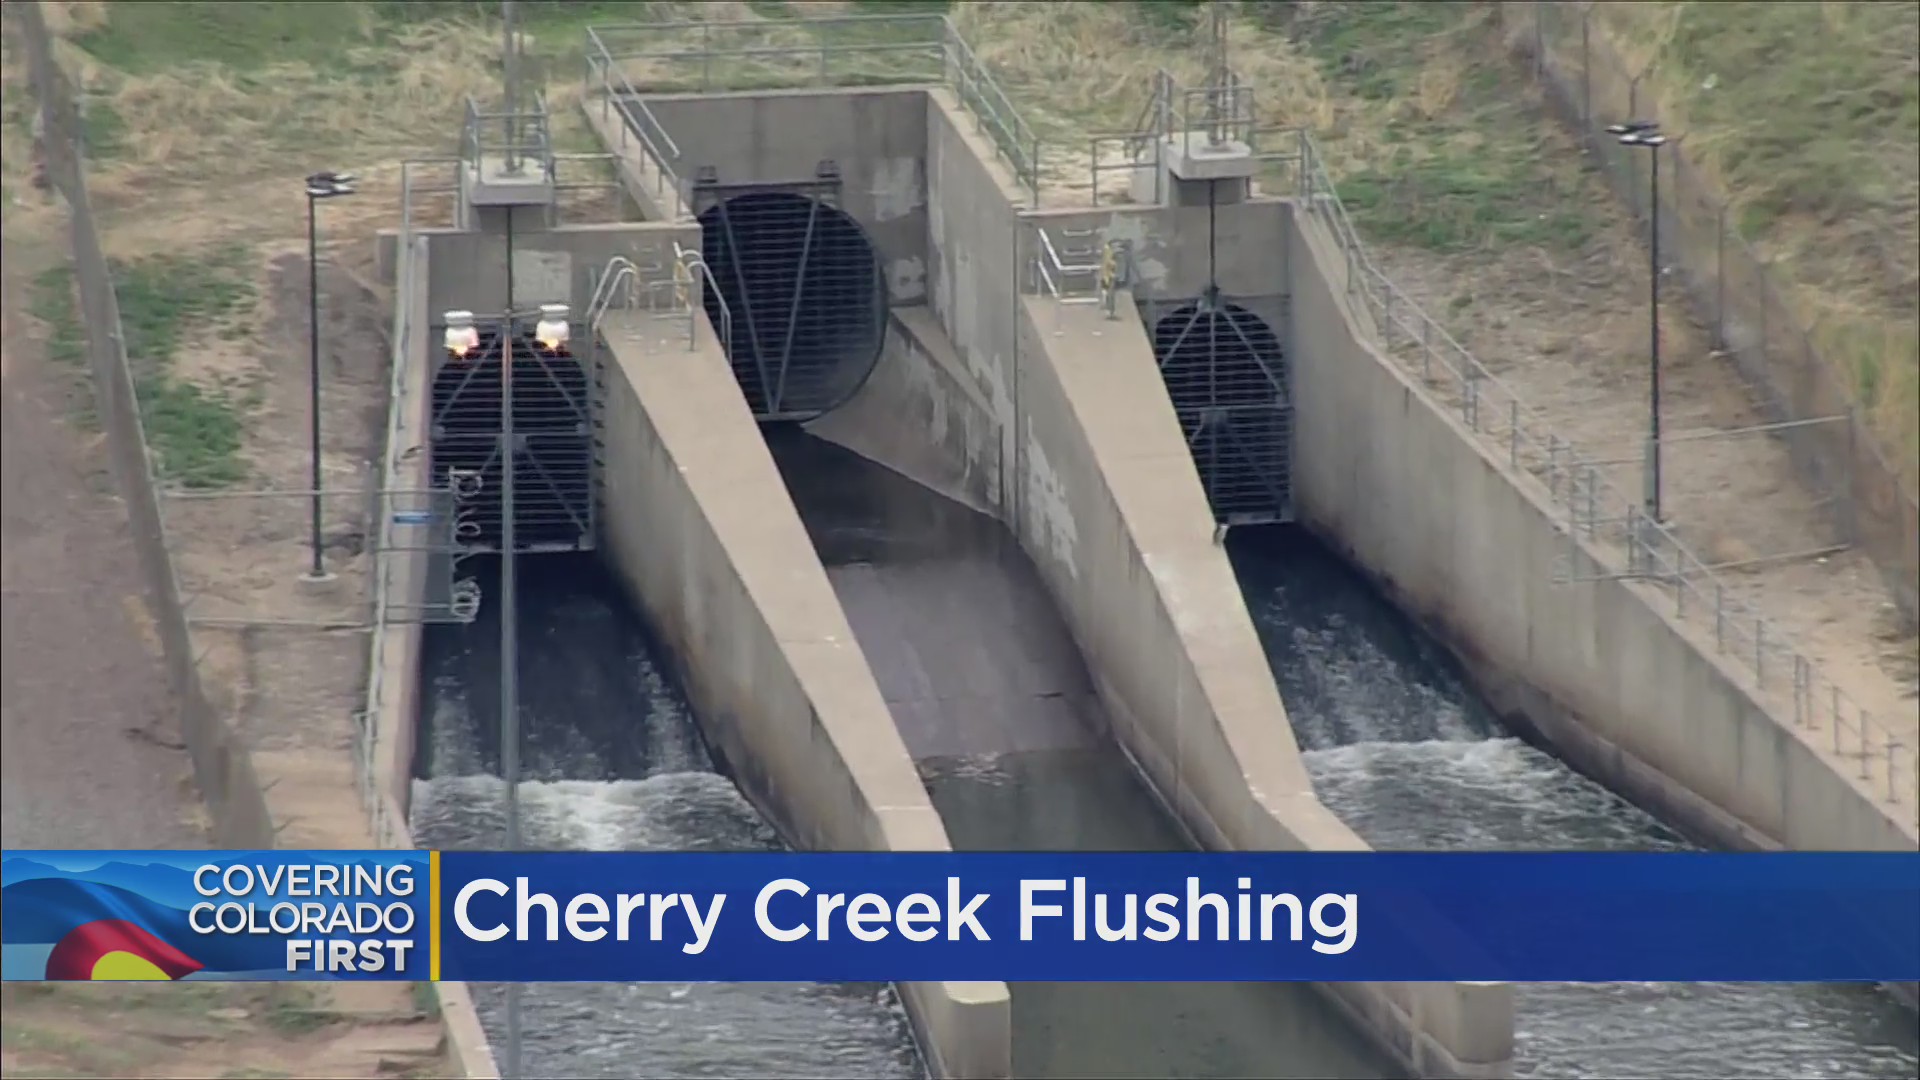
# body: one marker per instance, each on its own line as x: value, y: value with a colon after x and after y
x: 834, y: 279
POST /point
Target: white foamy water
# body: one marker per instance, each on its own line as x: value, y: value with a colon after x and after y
x: 1476, y: 795
x: 1402, y: 751
x: 1495, y: 794
x: 615, y: 764
x: 662, y: 1029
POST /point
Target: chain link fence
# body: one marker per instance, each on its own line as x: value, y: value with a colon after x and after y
x: 1732, y: 287
x: 222, y: 766
x: 1608, y: 535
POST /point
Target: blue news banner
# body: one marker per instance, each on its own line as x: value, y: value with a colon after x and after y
x: 620, y: 916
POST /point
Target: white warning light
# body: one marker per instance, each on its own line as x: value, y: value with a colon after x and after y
x: 552, y: 330
x: 462, y: 339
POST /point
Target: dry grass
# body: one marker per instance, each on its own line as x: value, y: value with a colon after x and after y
x: 226, y: 1030
x: 1078, y: 68
x: 1806, y: 119
x: 201, y: 120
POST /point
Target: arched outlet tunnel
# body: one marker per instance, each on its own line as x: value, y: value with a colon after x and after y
x: 554, y: 443
x: 1227, y: 376
x: 801, y: 300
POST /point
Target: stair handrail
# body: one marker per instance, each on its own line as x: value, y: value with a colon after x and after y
x: 620, y: 270
x: 693, y: 266
x: 1116, y: 273
x: 1052, y: 271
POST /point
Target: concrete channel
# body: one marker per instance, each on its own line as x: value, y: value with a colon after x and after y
x: 787, y: 492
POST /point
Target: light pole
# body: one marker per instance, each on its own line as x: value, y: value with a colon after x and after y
x: 551, y: 333
x: 510, y: 63
x: 1645, y: 134
x: 321, y: 185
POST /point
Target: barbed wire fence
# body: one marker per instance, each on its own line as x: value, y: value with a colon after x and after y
x: 221, y: 765
x: 1733, y: 289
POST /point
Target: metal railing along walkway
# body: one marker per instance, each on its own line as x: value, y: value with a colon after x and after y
x: 887, y: 49
x: 851, y: 50
x: 1589, y: 508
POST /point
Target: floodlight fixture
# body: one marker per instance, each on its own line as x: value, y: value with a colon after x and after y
x: 462, y: 339
x: 1638, y: 133
x: 329, y: 185
x: 552, y: 331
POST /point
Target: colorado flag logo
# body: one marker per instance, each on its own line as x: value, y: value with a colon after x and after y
x: 111, y: 920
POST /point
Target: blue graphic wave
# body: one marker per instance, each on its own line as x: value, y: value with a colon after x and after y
x: 41, y: 911
x: 168, y: 881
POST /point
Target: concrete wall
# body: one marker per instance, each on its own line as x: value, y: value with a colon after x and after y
x: 1100, y: 489
x: 1600, y: 670
x: 1113, y: 512
x: 877, y: 137
x: 469, y: 269
x: 921, y: 414
x: 699, y: 524
x: 982, y: 261
x: 394, y: 702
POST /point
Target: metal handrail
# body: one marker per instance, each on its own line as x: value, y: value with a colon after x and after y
x: 1145, y: 135
x: 1010, y: 133
x: 619, y: 271
x: 1053, y: 272
x: 532, y: 142
x: 366, y: 728
x: 652, y: 29
x: 655, y: 142
x: 1013, y: 138
x: 1585, y: 503
x: 691, y: 272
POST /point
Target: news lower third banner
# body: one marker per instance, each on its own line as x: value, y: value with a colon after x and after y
x: 634, y: 917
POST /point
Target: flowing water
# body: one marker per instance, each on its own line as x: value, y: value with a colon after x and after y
x: 1398, y: 747
x: 613, y: 762
x: 992, y: 697
x: 1405, y: 753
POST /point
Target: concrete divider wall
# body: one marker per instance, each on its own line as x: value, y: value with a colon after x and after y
x: 1171, y: 262
x: 923, y: 415
x: 699, y: 524
x: 1468, y: 546
x: 1119, y: 525
x: 559, y: 265
x: 876, y: 137
x: 391, y: 728
x: 1102, y: 492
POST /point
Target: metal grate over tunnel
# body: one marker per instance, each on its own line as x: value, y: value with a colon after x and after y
x: 554, y: 461
x: 1227, y: 376
x: 805, y: 301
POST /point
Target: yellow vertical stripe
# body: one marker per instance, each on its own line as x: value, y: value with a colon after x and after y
x: 433, y: 915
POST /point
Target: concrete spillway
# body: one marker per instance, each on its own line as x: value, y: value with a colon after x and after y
x: 1106, y: 442
x: 800, y: 298
x: 614, y: 761
x: 1404, y: 750
x: 997, y: 708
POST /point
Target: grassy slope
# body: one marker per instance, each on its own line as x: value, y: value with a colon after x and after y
x: 183, y: 95
x: 195, y: 430
x: 1810, y: 122
x: 1806, y: 116
x: 1438, y: 151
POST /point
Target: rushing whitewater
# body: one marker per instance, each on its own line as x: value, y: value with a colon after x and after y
x: 1407, y: 755
x: 616, y: 764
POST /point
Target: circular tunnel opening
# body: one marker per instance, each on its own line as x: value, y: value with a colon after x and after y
x: 801, y: 298
x: 1226, y: 375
